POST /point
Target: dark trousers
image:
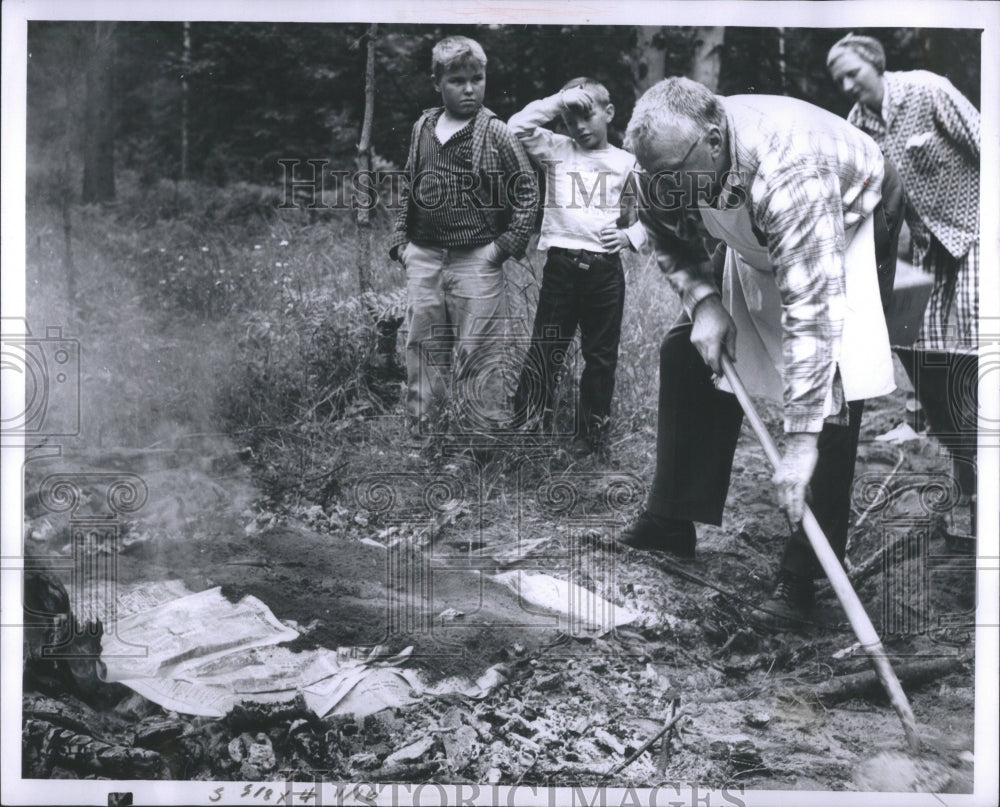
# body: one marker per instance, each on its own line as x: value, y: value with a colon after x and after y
x: 697, y: 430
x: 698, y: 426
x: 592, y: 298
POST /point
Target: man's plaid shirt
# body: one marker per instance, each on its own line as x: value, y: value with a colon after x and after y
x: 497, y: 159
x: 808, y: 176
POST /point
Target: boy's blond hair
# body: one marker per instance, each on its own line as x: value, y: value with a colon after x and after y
x: 454, y: 51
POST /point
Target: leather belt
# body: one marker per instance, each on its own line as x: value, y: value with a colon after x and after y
x: 581, y: 257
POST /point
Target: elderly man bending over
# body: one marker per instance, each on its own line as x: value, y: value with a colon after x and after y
x: 808, y: 212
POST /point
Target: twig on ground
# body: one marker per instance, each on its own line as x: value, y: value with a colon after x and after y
x: 859, y: 574
x: 326, y: 474
x: 661, y: 768
x: 646, y: 745
x: 879, y: 501
x: 671, y: 568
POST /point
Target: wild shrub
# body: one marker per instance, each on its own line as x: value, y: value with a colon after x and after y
x: 303, y: 366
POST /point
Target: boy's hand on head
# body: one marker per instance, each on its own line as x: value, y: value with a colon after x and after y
x: 613, y: 239
x: 576, y: 98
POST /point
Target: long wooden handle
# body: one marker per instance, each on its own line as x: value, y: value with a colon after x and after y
x: 856, y: 614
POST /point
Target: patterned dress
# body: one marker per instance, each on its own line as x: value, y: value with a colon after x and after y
x: 930, y: 131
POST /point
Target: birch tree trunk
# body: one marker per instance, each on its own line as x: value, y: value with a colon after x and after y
x: 648, y: 58
x: 706, y: 61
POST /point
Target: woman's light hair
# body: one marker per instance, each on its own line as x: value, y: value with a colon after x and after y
x: 456, y: 51
x: 673, y: 102
x: 865, y: 47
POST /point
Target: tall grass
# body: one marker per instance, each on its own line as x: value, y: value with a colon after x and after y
x: 203, y: 310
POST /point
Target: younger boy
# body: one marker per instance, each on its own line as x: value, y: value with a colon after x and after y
x: 584, y: 227
x: 470, y: 203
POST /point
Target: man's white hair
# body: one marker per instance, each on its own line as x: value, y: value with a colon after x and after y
x: 672, y: 102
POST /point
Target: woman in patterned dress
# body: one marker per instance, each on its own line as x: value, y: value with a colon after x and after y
x: 930, y: 131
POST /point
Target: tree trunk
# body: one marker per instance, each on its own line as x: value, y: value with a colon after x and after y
x: 782, y: 62
x: 707, y: 58
x: 99, y: 130
x: 363, y: 210
x: 185, y: 67
x: 386, y: 327
x: 648, y: 58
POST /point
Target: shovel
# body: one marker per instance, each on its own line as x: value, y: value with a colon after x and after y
x: 856, y: 615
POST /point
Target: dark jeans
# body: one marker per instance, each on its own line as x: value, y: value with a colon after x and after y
x: 592, y: 298
x: 698, y: 426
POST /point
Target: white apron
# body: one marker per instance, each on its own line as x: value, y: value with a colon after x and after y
x: 750, y: 294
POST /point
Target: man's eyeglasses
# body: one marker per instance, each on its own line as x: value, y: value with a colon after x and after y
x: 671, y: 169
x: 687, y: 154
